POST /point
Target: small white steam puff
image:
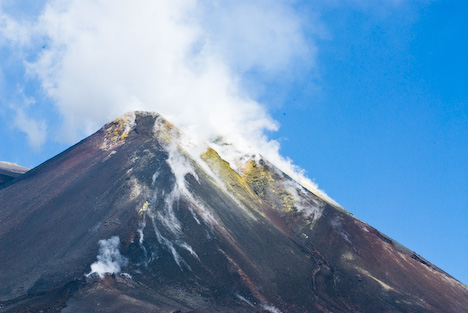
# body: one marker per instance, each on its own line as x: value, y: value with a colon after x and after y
x: 109, y: 259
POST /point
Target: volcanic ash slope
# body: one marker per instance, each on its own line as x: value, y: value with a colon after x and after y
x: 134, y: 219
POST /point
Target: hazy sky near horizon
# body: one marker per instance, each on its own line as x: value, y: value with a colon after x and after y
x: 369, y: 97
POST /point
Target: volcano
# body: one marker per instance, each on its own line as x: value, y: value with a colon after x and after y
x: 132, y: 220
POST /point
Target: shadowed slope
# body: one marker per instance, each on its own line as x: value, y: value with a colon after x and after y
x: 198, y: 236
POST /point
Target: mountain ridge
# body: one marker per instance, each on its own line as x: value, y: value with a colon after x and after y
x: 10, y: 171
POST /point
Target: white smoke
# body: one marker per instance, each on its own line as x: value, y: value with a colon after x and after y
x: 109, y: 260
x: 186, y: 59
x: 181, y: 58
x: 270, y: 308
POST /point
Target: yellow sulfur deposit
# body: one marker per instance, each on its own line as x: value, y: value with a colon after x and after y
x: 144, y: 208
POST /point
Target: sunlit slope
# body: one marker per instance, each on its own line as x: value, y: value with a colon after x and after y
x: 197, y: 235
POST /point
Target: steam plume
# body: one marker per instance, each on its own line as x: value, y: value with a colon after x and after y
x: 185, y: 59
x: 181, y: 58
x: 109, y: 260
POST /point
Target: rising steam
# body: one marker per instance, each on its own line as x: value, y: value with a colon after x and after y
x: 185, y: 59
x: 181, y: 58
x: 109, y: 260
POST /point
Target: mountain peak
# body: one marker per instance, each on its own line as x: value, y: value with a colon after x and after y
x: 154, y: 125
x: 133, y: 123
x: 141, y: 217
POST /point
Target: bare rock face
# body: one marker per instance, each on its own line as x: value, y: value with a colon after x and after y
x: 131, y: 220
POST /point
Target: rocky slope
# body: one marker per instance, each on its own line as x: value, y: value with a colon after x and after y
x: 129, y: 220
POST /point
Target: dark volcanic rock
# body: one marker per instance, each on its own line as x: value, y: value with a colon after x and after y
x: 195, y: 236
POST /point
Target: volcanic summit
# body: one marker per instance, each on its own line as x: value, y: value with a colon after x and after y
x: 131, y: 220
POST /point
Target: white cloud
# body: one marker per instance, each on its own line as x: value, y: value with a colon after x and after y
x: 12, y: 30
x: 262, y: 34
x: 2, y: 83
x: 35, y: 130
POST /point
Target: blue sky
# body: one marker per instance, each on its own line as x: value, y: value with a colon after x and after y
x: 371, y: 97
x: 387, y: 135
